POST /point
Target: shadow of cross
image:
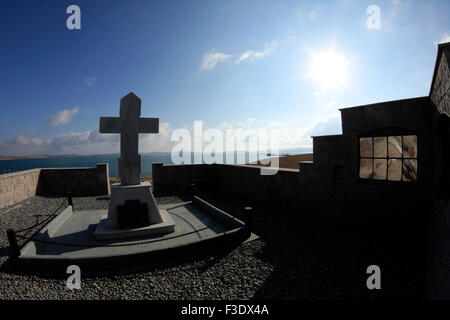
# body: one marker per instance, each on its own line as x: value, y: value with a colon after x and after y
x: 129, y: 125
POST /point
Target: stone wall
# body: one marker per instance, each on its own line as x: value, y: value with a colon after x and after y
x: 440, y: 90
x: 330, y: 185
x: 178, y: 178
x: 438, y: 232
x: 240, y: 180
x: 18, y: 186
x: 78, y: 181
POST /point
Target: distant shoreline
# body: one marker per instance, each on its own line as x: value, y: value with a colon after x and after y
x: 47, y: 156
x: 24, y: 157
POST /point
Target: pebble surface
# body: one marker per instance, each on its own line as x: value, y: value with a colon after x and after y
x: 288, y: 261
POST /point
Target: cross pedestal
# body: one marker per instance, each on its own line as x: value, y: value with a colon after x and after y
x: 132, y: 208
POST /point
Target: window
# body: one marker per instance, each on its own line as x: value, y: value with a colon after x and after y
x: 392, y: 158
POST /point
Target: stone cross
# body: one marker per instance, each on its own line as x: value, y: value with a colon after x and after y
x: 129, y: 125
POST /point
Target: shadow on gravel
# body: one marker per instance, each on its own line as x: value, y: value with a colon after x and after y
x: 317, y: 260
x: 324, y: 258
x: 4, y: 252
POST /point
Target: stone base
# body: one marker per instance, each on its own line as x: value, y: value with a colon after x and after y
x: 167, y: 225
x: 159, y: 221
x: 141, y: 192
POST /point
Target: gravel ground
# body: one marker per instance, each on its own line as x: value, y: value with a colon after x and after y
x: 291, y: 260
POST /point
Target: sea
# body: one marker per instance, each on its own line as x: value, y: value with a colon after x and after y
x: 9, y: 166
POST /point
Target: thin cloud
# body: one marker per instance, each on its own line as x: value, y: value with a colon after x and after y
x: 256, y: 55
x: 445, y: 37
x: 83, y: 142
x: 63, y: 117
x: 90, y: 81
x: 211, y: 59
x: 288, y: 135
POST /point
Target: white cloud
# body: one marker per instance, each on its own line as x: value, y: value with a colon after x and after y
x: 445, y: 37
x: 90, y: 81
x: 22, y: 144
x: 256, y: 55
x: 63, y: 117
x: 156, y: 142
x: 330, y: 126
x: 211, y: 59
x: 83, y: 142
x: 289, y: 135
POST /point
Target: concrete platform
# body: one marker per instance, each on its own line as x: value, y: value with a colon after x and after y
x: 167, y: 225
x: 70, y: 239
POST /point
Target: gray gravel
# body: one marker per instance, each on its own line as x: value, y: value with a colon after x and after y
x: 235, y: 275
x: 291, y: 260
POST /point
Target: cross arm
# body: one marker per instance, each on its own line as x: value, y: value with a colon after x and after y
x: 148, y: 125
x: 109, y: 125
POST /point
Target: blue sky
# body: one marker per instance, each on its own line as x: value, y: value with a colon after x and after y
x: 230, y: 64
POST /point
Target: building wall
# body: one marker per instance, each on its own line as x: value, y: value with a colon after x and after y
x: 329, y: 186
x: 18, y: 186
x: 368, y: 199
x: 438, y: 235
x: 440, y: 94
x: 438, y: 250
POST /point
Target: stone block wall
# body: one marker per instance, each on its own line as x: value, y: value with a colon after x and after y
x: 410, y: 114
x: 438, y: 232
x: 18, y: 186
x: 178, y: 178
x: 78, y: 181
x: 330, y: 185
x: 440, y: 91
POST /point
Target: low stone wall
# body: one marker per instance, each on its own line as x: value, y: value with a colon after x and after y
x: 178, y: 178
x: 310, y: 189
x: 78, y: 181
x: 18, y: 186
x: 286, y: 186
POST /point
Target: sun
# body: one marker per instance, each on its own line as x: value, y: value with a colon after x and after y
x: 329, y: 69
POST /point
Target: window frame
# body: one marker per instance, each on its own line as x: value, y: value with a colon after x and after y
x: 386, y: 135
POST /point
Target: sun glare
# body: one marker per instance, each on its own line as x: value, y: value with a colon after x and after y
x: 329, y: 69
